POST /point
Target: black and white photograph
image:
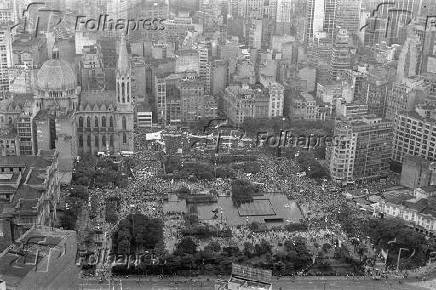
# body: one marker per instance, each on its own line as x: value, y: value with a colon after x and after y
x: 217, y: 144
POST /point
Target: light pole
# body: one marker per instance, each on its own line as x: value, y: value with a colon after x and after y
x: 279, y: 151
x: 398, y: 259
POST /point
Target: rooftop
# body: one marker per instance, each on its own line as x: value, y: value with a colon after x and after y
x: 17, y: 260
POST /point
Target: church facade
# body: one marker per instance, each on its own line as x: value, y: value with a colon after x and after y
x: 62, y: 116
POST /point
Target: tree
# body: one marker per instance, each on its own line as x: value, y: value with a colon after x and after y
x: 242, y: 191
x: 79, y: 191
x: 262, y: 248
x: 187, y: 246
x: 213, y: 247
x: 68, y: 220
x: 248, y: 249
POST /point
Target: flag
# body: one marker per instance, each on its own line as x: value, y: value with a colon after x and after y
x: 384, y: 254
x: 393, y: 241
x: 154, y: 136
x: 413, y: 254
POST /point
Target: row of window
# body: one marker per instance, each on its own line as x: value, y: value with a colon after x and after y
x: 103, y: 122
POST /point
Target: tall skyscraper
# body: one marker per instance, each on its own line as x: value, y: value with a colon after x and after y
x: 5, y: 59
x: 341, y: 53
x: 320, y: 17
x: 348, y: 15
x: 283, y: 17
x: 409, y: 57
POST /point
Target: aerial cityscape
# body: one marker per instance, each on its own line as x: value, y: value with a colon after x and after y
x: 218, y: 144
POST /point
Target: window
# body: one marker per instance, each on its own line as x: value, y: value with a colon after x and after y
x: 80, y: 122
x: 111, y: 122
x: 80, y: 141
x: 88, y: 122
x: 123, y: 86
x: 96, y: 141
x: 119, y: 92
x: 124, y: 123
x: 128, y: 95
x: 103, y: 121
x: 88, y: 141
x: 96, y: 122
x: 111, y: 140
x: 124, y: 138
x: 103, y: 141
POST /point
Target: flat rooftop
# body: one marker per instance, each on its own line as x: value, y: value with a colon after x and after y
x: 18, y: 259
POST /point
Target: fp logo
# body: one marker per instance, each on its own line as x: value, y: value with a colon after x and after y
x: 32, y: 16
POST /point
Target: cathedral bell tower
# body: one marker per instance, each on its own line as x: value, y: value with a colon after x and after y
x: 123, y: 77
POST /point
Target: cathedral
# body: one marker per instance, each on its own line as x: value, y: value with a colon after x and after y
x: 60, y: 115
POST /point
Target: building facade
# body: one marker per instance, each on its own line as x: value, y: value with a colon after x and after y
x: 361, y: 149
x: 415, y: 134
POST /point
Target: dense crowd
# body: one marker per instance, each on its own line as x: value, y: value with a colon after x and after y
x: 320, y: 201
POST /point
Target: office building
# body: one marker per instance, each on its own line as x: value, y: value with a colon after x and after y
x: 5, y: 59
x: 405, y: 95
x: 341, y: 54
x: 415, y: 133
x: 320, y: 18
x: 361, y: 149
x: 417, y: 172
x: 283, y: 17
x: 348, y: 15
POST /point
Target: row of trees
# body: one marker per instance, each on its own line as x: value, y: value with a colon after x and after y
x: 215, y: 259
x: 91, y: 171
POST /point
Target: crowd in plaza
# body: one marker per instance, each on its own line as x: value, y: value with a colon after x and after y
x: 319, y: 200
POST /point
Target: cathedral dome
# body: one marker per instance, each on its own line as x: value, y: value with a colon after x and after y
x: 56, y: 75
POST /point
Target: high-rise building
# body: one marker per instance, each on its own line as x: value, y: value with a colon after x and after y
x: 161, y: 99
x: 341, y: 53
x: 8, y: 11
x: 409, y: 58
x: 348, y: 15
x: 219, y: 76
x: 5, y: 60
x: 375, y: 30
x: 314, y: 19
x: 283, y: 17
x: 330, y: 10
x: 405, y: 95
x: 320, y: 17
x: 375, y: 89
x: 361, y: 149
x: 415, y: 133
x: 255, y: 34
